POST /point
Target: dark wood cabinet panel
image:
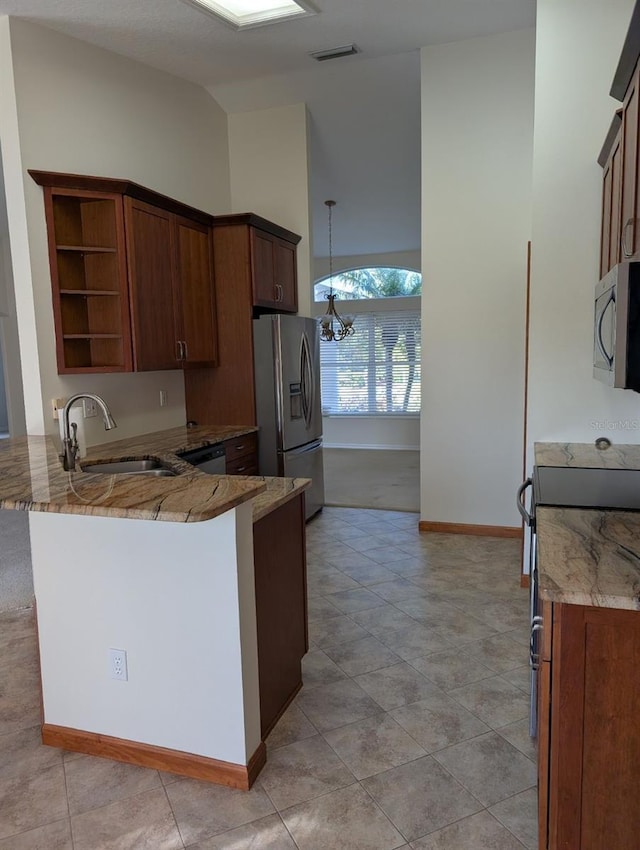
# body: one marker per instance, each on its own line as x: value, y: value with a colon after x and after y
x: 624, y: 180
x: 263, y: 268
x: 249, y: 254
x: 593, y: 743
x: 281, y: 607
x: 195, y: 297
x: 150, y: 257
x: 286, y: 276
x: 612, y: 188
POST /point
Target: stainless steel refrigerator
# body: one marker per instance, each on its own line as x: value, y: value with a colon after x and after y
x: 287, y: 374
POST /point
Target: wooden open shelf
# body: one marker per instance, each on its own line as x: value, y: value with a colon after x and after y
x: 89, y: 280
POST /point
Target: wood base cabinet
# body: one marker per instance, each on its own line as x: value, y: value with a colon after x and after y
x: 281, y: 607
x: 241, y: 455
x: 131, y: 275
x: 589, y: 729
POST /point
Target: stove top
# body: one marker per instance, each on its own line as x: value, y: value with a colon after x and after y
x: 576, y: 487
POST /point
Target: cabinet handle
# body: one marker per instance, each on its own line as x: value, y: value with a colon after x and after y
x: 185, y: 350
x: 241, y: 469
x: 238, y: 448
x: 625, y: 250
x: 178, y: 350
x: 278, y: 293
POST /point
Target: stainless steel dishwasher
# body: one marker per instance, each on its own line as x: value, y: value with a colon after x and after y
x: 209, y: 459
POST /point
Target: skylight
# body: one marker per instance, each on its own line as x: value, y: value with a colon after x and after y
x: 242, y: 14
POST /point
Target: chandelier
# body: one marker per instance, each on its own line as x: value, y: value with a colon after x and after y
x: 332, y: 325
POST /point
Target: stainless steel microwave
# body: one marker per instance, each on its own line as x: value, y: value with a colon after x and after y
x: 616, y: 327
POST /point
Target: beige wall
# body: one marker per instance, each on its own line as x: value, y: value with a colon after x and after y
x: 477, y: 129
x: 270, y: 176
x: 89, y: 111
x: 578, y: 46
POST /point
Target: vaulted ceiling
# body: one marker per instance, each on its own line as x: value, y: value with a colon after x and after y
x: 364, y: 109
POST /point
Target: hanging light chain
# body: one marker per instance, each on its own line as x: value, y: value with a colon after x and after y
x: 328, y: 333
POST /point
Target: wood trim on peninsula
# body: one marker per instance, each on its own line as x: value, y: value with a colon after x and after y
x: 158, y: 758
x: 425, y: 526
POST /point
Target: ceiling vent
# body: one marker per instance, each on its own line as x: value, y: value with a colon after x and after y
x: 335, y: 52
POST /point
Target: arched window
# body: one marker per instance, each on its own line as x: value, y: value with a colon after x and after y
x: 376, y: 372
x: 377, y: 282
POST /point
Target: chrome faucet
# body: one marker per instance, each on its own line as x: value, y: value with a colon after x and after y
x: 69, y: 431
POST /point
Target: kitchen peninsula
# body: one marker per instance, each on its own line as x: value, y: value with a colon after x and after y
x: 162, y: 569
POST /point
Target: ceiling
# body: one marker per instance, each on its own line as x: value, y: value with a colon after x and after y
x: 364, y: 109
x: 175, y: 37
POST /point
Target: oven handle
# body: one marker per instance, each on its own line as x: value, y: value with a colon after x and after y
x: 524, y: 513
x: 534, y: 657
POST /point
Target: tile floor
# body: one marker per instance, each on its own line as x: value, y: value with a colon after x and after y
x: 410, y: 731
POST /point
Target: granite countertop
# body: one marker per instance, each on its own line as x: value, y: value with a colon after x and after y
x: 587, y: 456
x: 32, y: 479
x: 589, y: 557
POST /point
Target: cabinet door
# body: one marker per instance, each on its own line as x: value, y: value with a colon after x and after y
x: 611, y: 244
x: 544, y: 723
x: 629, y: 230
x: 263, y: 269
x: 150, y: 257
x: 595, y: 734
x: 195, y: 301
x: 286, y: 276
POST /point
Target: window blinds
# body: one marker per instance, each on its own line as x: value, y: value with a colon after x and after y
x: 376, y: 371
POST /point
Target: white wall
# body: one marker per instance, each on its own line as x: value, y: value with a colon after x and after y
x: 269, y: 163
x: 371, y: 432
x: 477, y: 128
x: 364, y: 135
x: 179, y: 598
x: 85, y: 110
x: 11, y: 397
x: 578, y: 46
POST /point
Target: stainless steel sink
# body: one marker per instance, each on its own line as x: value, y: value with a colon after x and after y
x: 129, y: 467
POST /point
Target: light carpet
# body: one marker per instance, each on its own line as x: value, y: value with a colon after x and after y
x: 372, y: 478
x: 16, y: 578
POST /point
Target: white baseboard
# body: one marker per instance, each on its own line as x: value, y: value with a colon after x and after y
x: 376, y: 446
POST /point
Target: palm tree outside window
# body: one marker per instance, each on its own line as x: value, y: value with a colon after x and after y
x: 377, y: 371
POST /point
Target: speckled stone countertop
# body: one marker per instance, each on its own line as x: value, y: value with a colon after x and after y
x: 589, y: 557
x: 32, y: 479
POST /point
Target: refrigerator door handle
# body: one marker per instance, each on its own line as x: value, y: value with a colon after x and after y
x: 303, y: 450
x: 306, y: 376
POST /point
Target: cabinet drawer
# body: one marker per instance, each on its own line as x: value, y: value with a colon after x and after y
x: 247, y: 465
x: 241, y: 446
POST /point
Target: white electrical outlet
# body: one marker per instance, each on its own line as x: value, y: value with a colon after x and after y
x: 89, y: 407
x: 57, y: 405
x: 118, y: 664
x: 163, y: 398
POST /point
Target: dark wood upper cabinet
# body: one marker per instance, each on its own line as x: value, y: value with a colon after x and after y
x: 611, y: 161
x: 132, y: 277
x: 625, y: 179
x: 274, y: 273
x: 255, y: 271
